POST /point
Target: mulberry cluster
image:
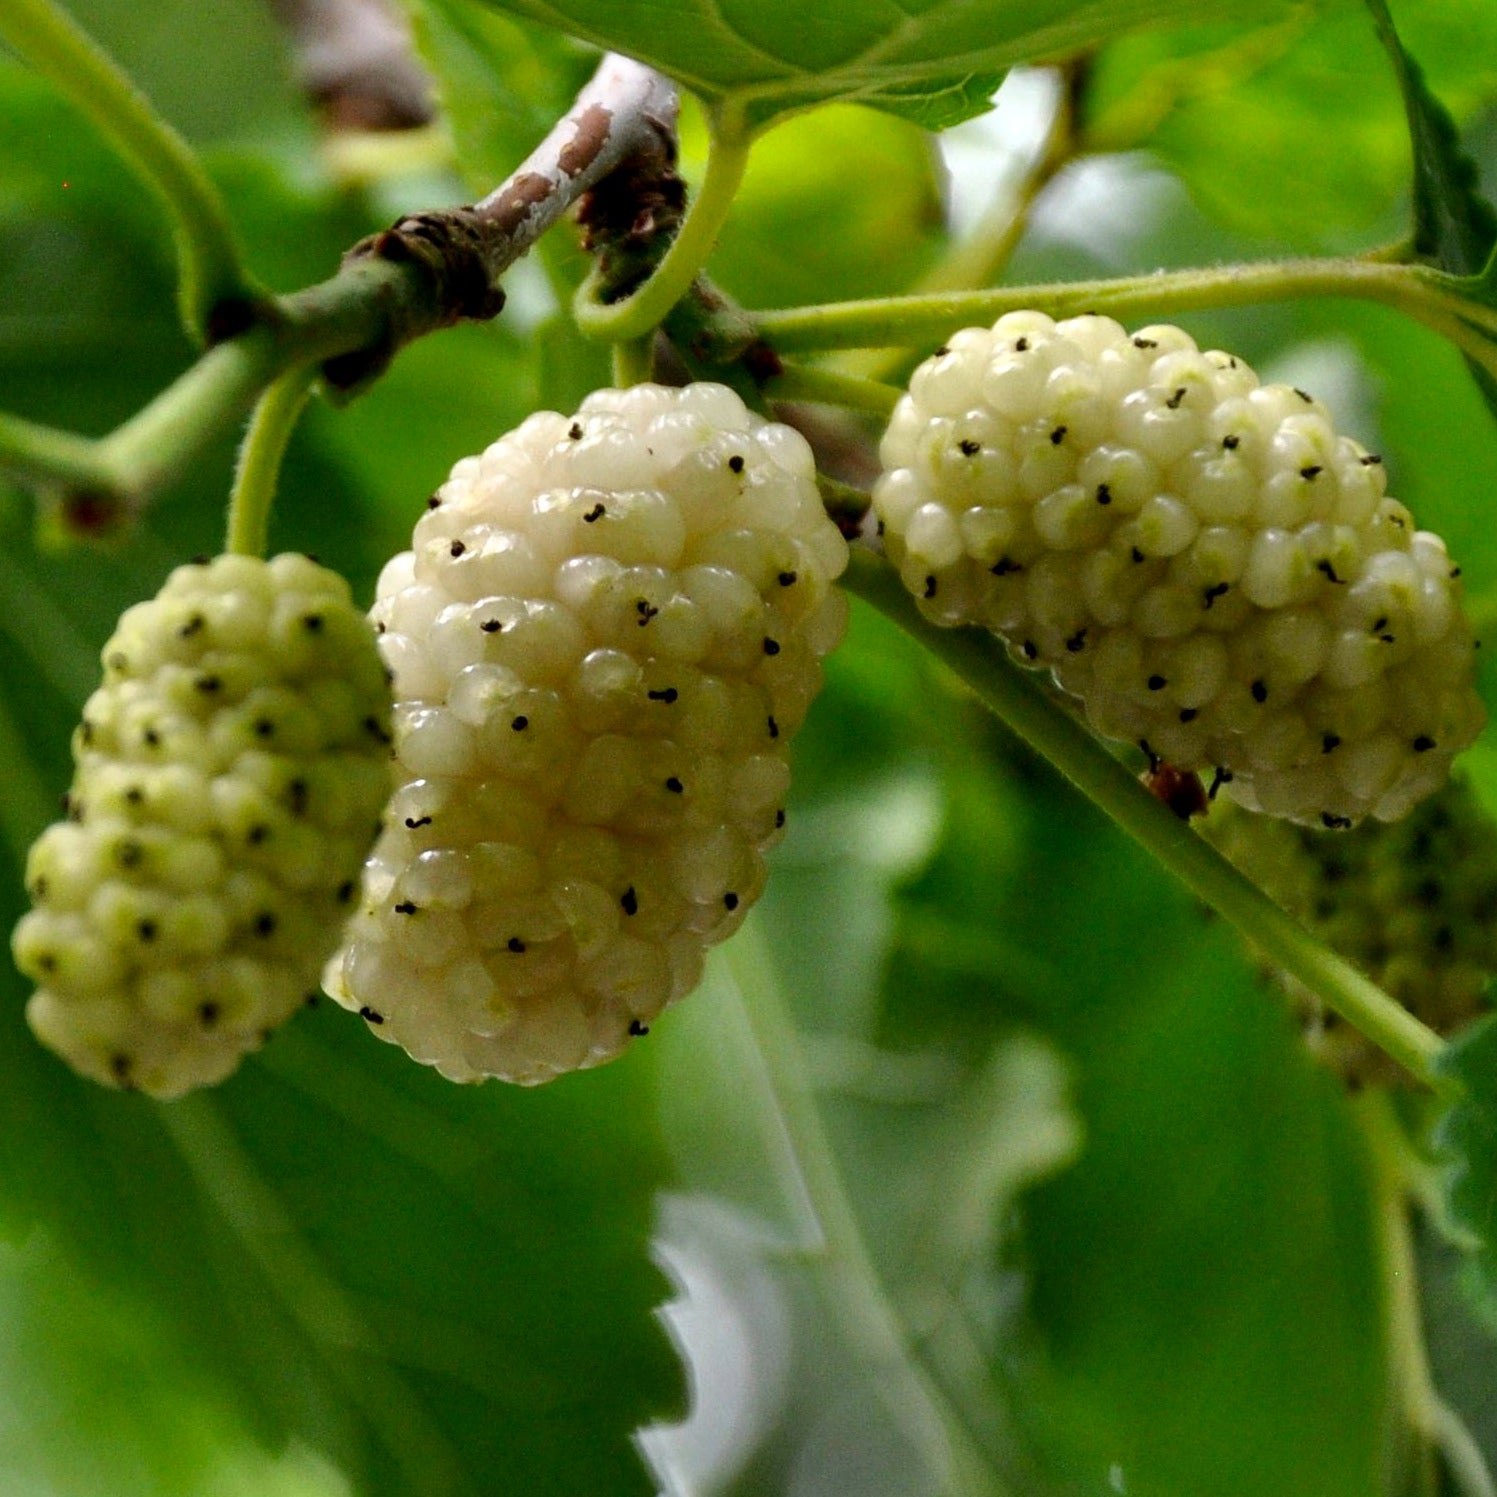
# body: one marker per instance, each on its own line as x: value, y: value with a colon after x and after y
x: 1413, y: 904
x: 230, y: 773
x: 608, y: 629
x: 1200, y: 559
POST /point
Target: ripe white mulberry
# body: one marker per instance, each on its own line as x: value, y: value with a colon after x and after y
x: 1413, y: 904
x: 230, y: 773
x: 1200, y: 559
x: 608, y: 629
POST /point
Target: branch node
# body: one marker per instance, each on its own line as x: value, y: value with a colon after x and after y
x: 87, y: 514
x: 451, y: 249
x: 232, y: 315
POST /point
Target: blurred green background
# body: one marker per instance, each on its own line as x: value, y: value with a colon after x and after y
x: 981, y: 1136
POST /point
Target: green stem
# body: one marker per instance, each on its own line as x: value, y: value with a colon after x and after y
x: 1409, y: 1383
x: 845, y: 503
x: 827, y: 387
x: 1435, y: 1427
x: 866, y: 1312
x: 74, y: 461
x: 1014, y: 696
x: 211, y: 274
x: 633, y: 361
x: 1462, y: 1456
x: 646, y: 308
x: 260, y: 457
x: 913, y: 321
x: 162, y: 441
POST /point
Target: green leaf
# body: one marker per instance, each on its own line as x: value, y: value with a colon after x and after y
x: 425, y: 1283
x: 1242, y: 114
x: 66, y: 1352
x: 1454, y: 226
x: 771, y: 57
x: 216, y: 72
x: 940, y: 103
x: 1467, y: 1135
x: 1213, y: 1232
x: 503, y: 83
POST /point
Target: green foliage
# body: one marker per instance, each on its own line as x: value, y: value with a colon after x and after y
x: 982, y: 1137
x: 1468, y: 1133
x: 1247, y: 115
x: 1211, y: 1233
x: 928, y: 63
x: 795, y: 170
x: 502, y: 83
x: 1453, y: 224
x: 425, y: 1284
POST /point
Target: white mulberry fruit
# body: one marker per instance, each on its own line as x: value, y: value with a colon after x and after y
x: 230, y: 773
x: 1413, y: 904
x: 1200, y: 559
x: 608, y: 629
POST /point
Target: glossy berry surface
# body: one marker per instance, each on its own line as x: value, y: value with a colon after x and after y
x: 1200, y: 560
x: 608, y: 629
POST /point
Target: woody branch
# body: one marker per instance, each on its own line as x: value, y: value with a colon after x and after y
x: 429, y: 271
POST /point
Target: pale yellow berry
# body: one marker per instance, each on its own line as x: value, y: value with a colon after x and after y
x: 607, y: 630
x: 229, y: 775
x: 1201, y: 561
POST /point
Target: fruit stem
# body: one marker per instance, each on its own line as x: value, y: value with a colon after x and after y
x: 846, y: 505
x: 260, y: 456
x: 1017, y: 700
x: 1428, y: 296
x: 645, y: 309
x: 827, y: 387
x: 212, y: 280
x: 633, y: 361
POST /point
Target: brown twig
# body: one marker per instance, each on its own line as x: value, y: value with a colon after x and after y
x: 357, y: 63
x: 427, y: 272
x: 624, y: 120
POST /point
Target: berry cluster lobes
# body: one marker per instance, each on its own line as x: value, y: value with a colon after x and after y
x: 1200, y: 559
x: 606, y: 632
x: 1413, y: 904
x: 230, y: 773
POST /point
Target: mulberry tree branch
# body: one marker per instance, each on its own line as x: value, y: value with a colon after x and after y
x: 357, y: 63
x: 624, y: 116
x: 428, y: 271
